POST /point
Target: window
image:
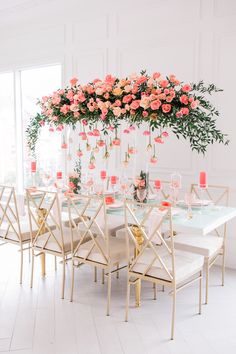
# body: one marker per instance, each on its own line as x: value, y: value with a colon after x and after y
x: 36, y: 83
x: 19, y: 92
x: 7, y: 130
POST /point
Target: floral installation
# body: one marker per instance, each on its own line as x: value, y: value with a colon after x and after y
x: 163, y: 103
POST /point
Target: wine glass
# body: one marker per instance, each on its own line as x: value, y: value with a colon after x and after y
x: 141, y: 194
x: 124, y: 185
x: 189, y: 198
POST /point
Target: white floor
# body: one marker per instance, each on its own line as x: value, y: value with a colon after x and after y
x: 38, y: 321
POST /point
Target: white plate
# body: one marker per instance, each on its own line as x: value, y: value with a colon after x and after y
x: 116, y: 205
x: 196, y: 203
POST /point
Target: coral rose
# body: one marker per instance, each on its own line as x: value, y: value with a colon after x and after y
x: 186, y: 88
x: 184, y: 99
x: 184, y: 111
x: 164, y: 83
x: 155, y: 105
x: 73, y: 81
x: 166, y: 108
x: 135, y: 104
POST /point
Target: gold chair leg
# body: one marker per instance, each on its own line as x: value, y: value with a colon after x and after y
x: 117, y: 273
x: 223, y: 268
x: 155, y: 291
x: 207, y: 281
x: 108, y: 293
x: 63, y: 278
x: 103, y: 276
x: 173, y: 314
x: 55, y: 262
x: 200, y: 294
x: 163, y: 288
x: 127, y: 301
x: 29, y: 253
x: 32, y: 270
x: 95, y: 274
x: 72, y: 280
x: 21, y: 265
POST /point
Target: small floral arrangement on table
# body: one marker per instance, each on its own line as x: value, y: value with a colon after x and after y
x: 75, y: 178
x: 141, y: 183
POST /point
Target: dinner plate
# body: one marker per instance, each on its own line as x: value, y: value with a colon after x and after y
x: 116, y: 205
x: 197, y: 203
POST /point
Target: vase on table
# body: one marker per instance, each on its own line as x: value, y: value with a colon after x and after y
x: 141, y: 187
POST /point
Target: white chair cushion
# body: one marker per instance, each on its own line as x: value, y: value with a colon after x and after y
x: 114, y: 223
x: 53, y: 246
x: 118, y: 250
x: 24, y: 228
x: 186, y: 264
x: 206, y: 245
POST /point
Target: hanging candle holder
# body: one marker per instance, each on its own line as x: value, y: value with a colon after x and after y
x: 96, y: 148
x: 175, y: 185
x: 88, y: 146
x: 91, y: 165
x: 79, y: 152
x: 116, y: 140
x: 149, y: 146
x: 110, y: 145
x: 153, y: 159
x: 126, y: 160
x: 101, y: 143
x: 106, y: 153
x: 131, y: 150
x: 64, y: 144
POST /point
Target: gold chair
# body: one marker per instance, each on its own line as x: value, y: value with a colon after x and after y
x: 210, y: 246
x: 103, y: 251
x: 52, y: 236
x: 158, y: 264
x: 14, y: 229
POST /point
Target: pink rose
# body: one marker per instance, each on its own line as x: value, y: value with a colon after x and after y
x: 51, y: 129
x: 153, y: 160
x: 70, y: 95
x: 156, y: 76
x: 184, y: 99
x: 117, y: 111
x: 166, y: 108
x: 179, y: 114
x: 146, y: 133
x: 49, y: 112
x: 84, y: 122
x: 73, y: 81
x: 164, y: 83
x: 42, y: 123
x: 56, y: 99
x: 141, y: 80
x: 185, y: 111
x: 117, y: 103
x: 169, y: 99
x: 127, y: 88
x: 81, y: 97
x: 64, y: 109
x: 159, y: 140
x: 135, y: 104
x: 76, y: 114
x: 186, y: 88
x: 126, y: 131
x: 110, y: 79
x: 135, y: 89
x: 145, y: 114
x: 164, y: 134
x: 55, y: 118
x: 194, y: 104
x: 127, y: 98
x: 106, y: 95
x: 155, y: 105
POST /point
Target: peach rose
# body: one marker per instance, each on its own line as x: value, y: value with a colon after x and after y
x: 184, y: 99
x: 156, y: 76
x: 155, y: 105
x: 164, y: 83
x: 184, y: 111
x: 194, y: 104
x: 127, y: 98
x: 145, y: 102
x: 117, y: 91
x: 73, y: 81
x: 127, y: 88
x: 166, y: 108
x: 135, y: 104
x: 186, y: 88
x: 117, y: 111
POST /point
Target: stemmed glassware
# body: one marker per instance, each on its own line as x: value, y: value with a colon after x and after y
x: 124, y: 186
x: 175, y: 185
x: 189, y: 198
x: 141, y: 194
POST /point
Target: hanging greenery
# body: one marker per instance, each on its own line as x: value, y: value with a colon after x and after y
x: 164, y: 103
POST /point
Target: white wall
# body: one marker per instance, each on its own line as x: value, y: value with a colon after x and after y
x: 195, y: 39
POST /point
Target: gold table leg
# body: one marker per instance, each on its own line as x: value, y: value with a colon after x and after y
x: 137, y: 232
x: 43, y: 264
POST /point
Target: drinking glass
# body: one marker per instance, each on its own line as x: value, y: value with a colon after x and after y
x: 141, y: 194
x: 189, y: 198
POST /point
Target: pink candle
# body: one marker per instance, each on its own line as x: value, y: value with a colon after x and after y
x: 202, y: 179
x: 113, y: 180
x: 59, y: 175
x: 103, y: 174
x: 33, y: 166
x: 157, y: 184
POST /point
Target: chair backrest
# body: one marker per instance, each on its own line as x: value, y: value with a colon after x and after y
x: 137, y: 217
x: 9, y: 216
x: 92, y: 215
x: 219, y: 195
x: 45, y: 219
